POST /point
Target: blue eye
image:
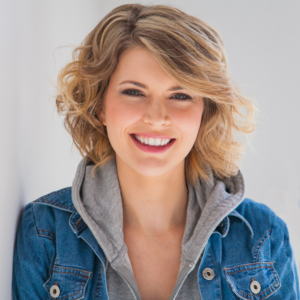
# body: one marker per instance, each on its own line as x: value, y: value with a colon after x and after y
x: 132, y: 92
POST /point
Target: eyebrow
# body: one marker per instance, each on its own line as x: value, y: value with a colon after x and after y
x: 174, y: 88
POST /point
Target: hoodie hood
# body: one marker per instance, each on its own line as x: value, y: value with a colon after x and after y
x: 98, y: 201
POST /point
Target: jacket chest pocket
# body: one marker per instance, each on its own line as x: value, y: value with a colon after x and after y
x: 254, y: 281
x: 67, y: 283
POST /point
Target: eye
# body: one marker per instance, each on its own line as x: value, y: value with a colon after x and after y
x: 132, y: 92
x: 183, y: 97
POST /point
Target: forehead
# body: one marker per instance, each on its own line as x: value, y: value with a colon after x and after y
x: 140, y: 64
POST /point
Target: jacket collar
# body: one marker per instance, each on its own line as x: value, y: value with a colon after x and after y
x: 223, y: 227
x: 62, y: 200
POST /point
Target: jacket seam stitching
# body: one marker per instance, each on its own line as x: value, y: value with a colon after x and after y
x: 47, y: 236
x: 78, y: 221
x: 87, y: 277
x: 275, y: 275
x: 55, y: 204
x: 97, y: 286
x: 80, y: 289
x: 34, y: 221
x: 88, y: 273
x: 230, y: 273
x: 271, y: 233
x: 254, y: 250
x: 42, y: 234
x: 261, y: 246
x: 258, y: 242
x: 255, y: 263
x: 257, y: 295
x: 216, y: 274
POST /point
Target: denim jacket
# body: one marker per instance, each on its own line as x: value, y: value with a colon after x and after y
x: 56, y: 256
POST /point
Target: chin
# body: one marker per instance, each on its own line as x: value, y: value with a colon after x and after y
x: 152, y: 167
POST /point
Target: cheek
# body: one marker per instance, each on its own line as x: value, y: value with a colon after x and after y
x: 189, y: 122
x: 119, y: 116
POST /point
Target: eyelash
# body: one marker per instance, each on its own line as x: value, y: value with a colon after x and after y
x: 126, y: 92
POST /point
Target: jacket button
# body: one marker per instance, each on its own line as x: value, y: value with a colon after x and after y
x: 208, y: 274
x: 255, y: 287
x: 54, y: 291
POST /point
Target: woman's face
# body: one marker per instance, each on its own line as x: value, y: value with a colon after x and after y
x: 142, y: 99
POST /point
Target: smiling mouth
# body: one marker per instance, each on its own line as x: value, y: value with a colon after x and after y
x: 152, y: 148
x: 133, y: 135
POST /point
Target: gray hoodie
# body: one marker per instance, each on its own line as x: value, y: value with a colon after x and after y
x: 99, y: 203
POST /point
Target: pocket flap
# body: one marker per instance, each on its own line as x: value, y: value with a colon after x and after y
x: 253, y: 281
x: 71, y: 283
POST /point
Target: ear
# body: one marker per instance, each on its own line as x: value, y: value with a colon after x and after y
x: 101, y: 116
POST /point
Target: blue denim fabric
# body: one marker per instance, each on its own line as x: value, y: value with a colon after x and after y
x: 56, y: 248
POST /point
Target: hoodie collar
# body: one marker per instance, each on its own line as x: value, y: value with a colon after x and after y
x: 217, y: 199
x: 98, y: 204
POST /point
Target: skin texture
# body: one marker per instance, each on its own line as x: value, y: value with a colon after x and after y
x: 153, y: 186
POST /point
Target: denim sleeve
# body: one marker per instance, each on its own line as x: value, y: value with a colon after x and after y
x: 31, y: 264
x: 284, y: 261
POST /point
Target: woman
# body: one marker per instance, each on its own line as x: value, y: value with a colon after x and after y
x: 156, y: 209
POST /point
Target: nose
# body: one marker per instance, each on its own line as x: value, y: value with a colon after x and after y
x: 156, y: 113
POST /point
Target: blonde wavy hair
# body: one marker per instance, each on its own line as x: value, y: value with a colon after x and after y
x: 190, y: 51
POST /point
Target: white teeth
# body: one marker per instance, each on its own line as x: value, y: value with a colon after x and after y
x: 152, y: 141
x: 157, y: 142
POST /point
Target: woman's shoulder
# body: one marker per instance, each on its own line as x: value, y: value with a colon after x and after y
x: 256, y: 212
x: 60, y: 199
x: 264, y: 221
x: 48, y: 212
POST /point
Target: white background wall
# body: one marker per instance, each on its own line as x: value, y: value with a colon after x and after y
x: 263, y: 44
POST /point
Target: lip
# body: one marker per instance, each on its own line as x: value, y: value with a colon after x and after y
x: 153, y: 135
x: 152, y: 149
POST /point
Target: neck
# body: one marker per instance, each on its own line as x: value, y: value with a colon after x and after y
x: 154, y: 206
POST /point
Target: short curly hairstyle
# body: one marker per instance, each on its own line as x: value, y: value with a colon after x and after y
x: 190, y: 52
